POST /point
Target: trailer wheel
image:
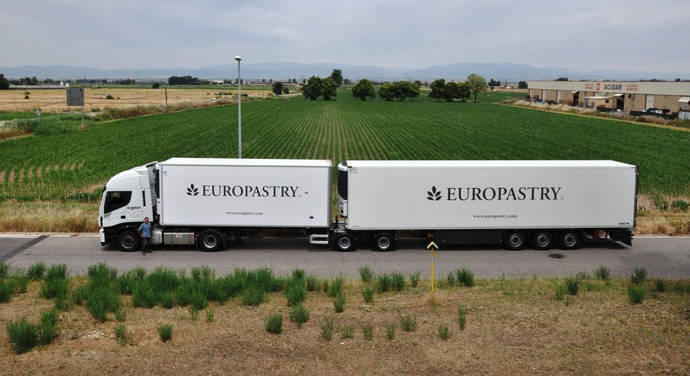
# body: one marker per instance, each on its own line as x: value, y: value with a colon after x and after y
x: 345, y: 243
x: 383, y: 242
x: 542, y: 240
x: 570, y: 239
x: 128, y: 241
x: 514, y: 240
x: 210, y: 241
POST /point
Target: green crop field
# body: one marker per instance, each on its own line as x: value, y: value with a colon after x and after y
x: 74, y: 165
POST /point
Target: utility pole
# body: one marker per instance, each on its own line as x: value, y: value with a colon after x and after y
x: 239, y: 108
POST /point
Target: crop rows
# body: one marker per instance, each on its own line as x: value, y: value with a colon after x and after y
x: 73, y: 165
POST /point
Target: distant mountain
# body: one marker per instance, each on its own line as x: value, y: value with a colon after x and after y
x: 283, y: 70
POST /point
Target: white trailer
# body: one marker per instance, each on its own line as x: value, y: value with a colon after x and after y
x: 204, y: 201
x: 472, y: 202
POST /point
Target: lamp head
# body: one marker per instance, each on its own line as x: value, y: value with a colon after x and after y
x: 238, y: 58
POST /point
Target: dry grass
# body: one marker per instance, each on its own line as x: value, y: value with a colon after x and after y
x: 513, y: 327
x: 53, y: 100
x: 48, y: 217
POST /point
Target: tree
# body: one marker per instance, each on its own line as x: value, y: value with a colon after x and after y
x: 363, y: 90
x: 4, y: 84
x: 561, y: 79
x: 386, y: 91
x: 437, y: 89
x: 347, y: 81
x: 329, y: 88
x: 337, y: 76
x: 419, y: 83
x: 277, y: 88
x: 405, y: 89
x: 463, y: 91
x: 312, y: 89
x: 522, y: 85
x: 451, y: 91
x: 286, y: 90
x: 156, y: 85
x: 476, y: 84
x: 494, y: 83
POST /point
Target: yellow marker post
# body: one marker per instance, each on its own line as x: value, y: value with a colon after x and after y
x: 433, y: 247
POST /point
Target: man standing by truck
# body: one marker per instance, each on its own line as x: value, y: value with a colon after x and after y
x: 144, y: 231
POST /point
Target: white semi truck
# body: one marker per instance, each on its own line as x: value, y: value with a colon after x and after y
x: 204, y: 202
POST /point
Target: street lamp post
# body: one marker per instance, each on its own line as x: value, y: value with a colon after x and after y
x: 239, y: 108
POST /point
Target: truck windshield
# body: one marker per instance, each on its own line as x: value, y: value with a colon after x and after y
x: 342, y: 184
x: 116, y: 199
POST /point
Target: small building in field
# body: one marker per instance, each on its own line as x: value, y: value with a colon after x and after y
x: 660, y: 97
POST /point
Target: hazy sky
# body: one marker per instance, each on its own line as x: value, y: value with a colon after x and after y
x: 582, y: 34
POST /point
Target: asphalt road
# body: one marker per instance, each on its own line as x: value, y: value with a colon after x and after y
x: 667, y: 257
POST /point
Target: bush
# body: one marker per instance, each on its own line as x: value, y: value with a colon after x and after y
x: 384, y: 283
x: 680, y: 205
x: 368, y: 294
x: 365, y: 274
x: 312, y: 283
x: 327, y: 329
x: 324, y: 286
x: 390, y: 331
x: 199, y: 300
x: 109, y: 96
x: 462, y: 317
x: 167, y: 300
x: 6, y: 290
x: 398, y: 281
x: 299, y: 314
x: 57, y: 287
x: 659, y: 285
x: 121, y: 335
x: 347, y: 331
x: 57, y: 272
x: 408, y: 323
x: 582, y: 276
x: 120, y: 315
x: 560, y: 292
x: 466, y: 277
x: 193, y: 313
x: 295, y: 294
x: 252, y: 296
x: 368, y: 332
x: 339, y: 303
x: 414, y: 279
x: 443, y: 331
x: 36, y: 271
x: 3, y: 270
x: 143, y: 296
x: 298, y: 275
x: 102, y: 300
x: 274, y: 323
x: 48, y: 326
x: 635, y: 294
x: 451, y: 279
x: 603, y: 273
x: 23, y: 335
x: 210, y: 315
x: 639, y: 275
x: 336, y: 287
x: 572, y: 285
x: 20, y: 282
x: 165, y: 332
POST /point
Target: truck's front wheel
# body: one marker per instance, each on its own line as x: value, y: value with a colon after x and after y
x: 210, y: 241
x: 345, y: 243
x: 128, y: 241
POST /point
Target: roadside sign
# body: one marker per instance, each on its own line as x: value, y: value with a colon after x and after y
x: 75, y: 96
x: 433, y: 247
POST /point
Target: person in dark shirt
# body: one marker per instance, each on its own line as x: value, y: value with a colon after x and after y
x: 144, y: 231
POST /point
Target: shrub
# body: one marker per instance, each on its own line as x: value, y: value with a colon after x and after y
x: 659, y: 285
x: 121, y: 335
x: 347, y: 331
x: 299, y: 314
x: 680, y: 205
x: 57, y: 272
x: 408, y: 323
x: 462, y: 317
x: 339, y: 303
x: 639, y: 275
x: 36, y: 271
x: 414, y: 279
x: 603, y: 273
x: 295, y: 294
x: 368, y: 332
x: 635, y: 294
x: 252, y: 296
x: 23, y: 335
x: 6, y: 289
x: 398, y: 281
x: 102, y: 300
x: 199, y: 299
x: 560, y: 292
x: 143, y: 296
x: 312, y: 283
x: 582, y: 276
x: 365, y: 274
x: 368, y: 294
x: 52, y: 288
x: 167, y: 300
x: 384, y: 283
x: 109, y: 96
x: 3, y: 270
x: 572, y: 285
x: 210, y: 315
x: 443, y: 331
x: 298, y: 274
x: 451, y: 279
x: 327, y: 329
x: 390, y: 331
x: 193, y: 313
x: 336, y: 287
x: 21, y: 283
x: 120, y: 315
x: 48, y: 326
x: 274, y: 323
x: 466, y: 277
x: 324, y: 286
x: 165, y: 332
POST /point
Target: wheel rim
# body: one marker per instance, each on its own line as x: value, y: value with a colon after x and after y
x: 515, y: 240
x: 128, y: 241
x: 344, y: 242
x: 210, y: 241
x: 383, y: 242
x: 543, y: 240
x: 569, y: 239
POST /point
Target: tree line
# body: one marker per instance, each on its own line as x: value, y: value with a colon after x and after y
x: 440, y: 89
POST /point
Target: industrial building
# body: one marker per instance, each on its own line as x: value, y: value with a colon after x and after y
x: 670, y: 99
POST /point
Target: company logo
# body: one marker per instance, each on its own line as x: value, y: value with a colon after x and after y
x: 192, y: 190
x: 539, y: 193
x: 433, y: 194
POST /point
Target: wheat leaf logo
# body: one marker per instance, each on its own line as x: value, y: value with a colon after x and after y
x: 192, y: 190
x: 434, y: 194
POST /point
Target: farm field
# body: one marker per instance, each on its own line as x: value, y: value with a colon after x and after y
x: 73, y: 166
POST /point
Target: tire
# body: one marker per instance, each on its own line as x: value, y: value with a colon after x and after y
x: 383, y: 242
x: 542, y: 240
x: 569, y: 239
x: 210, y: 241
x: 514, y: 240
x: 345, y: 243
x: 128, y: 241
